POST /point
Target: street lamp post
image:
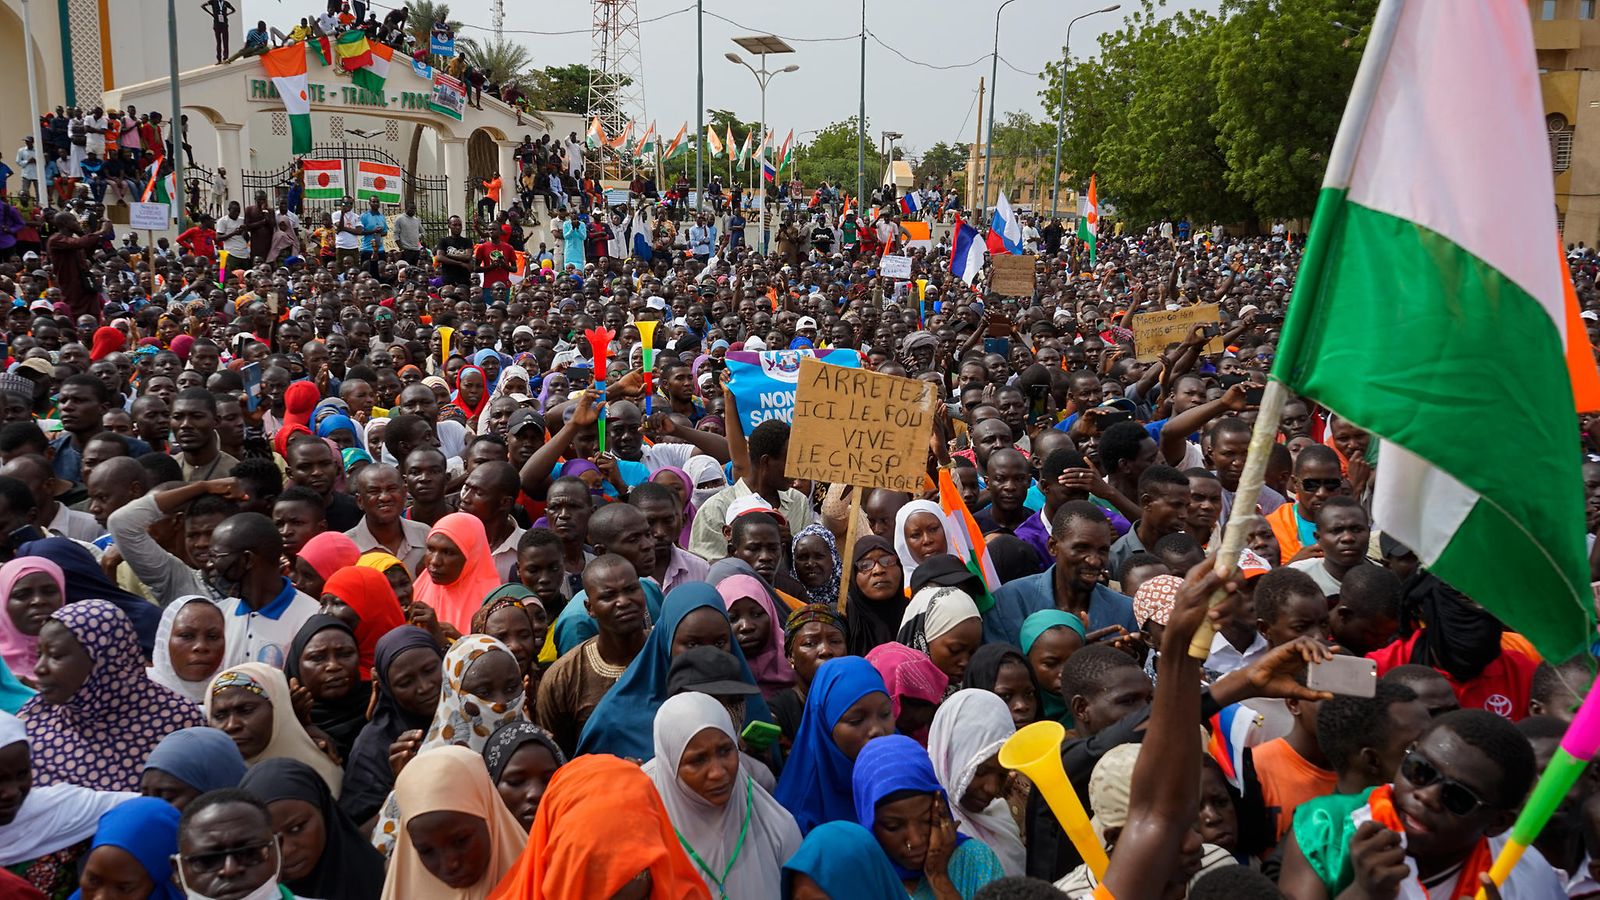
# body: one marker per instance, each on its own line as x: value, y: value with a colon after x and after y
x: 1061, y: 108
x: 988, y: 139
x: 861, y: 116
x: 762, y: 46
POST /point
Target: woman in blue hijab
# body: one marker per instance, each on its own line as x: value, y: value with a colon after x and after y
x: 842, y: 859
x: 491, y: 362
x: 188, y: 762
x: 846, y: 707
x: 622, y: 724
x: 146, y: 831
x: 86, y: 581
x: 340, y: 424
x: 899, y: 799
x: 13, y: 693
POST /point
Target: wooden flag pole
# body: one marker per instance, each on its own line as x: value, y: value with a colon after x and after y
x: 848, y: 573
x: 1243, y: 513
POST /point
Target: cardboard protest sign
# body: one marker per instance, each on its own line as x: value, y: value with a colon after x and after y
x: 892, y: 266
x: 1154, y: 331
x: 1012, y: 276
x: 856, y: 426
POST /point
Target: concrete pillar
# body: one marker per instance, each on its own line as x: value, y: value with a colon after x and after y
x: 231, y: 157
x: 507, y: 166
x: 540, y: 233
x: 455, y: 174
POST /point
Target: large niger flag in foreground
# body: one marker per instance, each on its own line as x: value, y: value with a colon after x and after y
x: 1433, y: 309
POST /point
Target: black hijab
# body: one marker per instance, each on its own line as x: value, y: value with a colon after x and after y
x: 368, y: 777
x: 1458, y: 636
x: 343, y: 718
x: 350, y: 867
x: 869, y: 623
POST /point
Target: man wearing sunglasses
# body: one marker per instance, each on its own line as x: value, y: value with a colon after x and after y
x: 227, y: 850
x: 1316, y: 478
x: 1432, y: 832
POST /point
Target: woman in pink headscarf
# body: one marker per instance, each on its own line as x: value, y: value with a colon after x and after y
x: 916, y: 686
x: 458, y: 572
x: 322, y: 556
x: 31, y: 588
x: 758, y: 628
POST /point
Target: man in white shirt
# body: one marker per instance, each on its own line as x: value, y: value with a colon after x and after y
x: 347, y: 242
x: 28, y: 167
x: 230, y: 233
x: 262, y: 611
x: 219, y: 190
x: 574, y: 155
x: 96, y: 124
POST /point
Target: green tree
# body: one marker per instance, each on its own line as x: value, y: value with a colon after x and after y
x: 505, y: 62
x: 831, y: 157
x: 1024, y: 152
x: 1227, y: 116
x: 561, y: 89
x: 1282, y: 74
x: 943, y: 164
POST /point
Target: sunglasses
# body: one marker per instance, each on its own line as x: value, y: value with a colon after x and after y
x: 868, y: 563
x: 247, y: 855
x: 1457, y: 798
x: 1314, y: 485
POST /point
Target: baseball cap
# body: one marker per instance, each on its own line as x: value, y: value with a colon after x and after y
x: 41, y: 305
x: 804, y: 323
x: 710, y: 671
x: 1590, y: 315
x: 657, y: 303
x: 36, y: 364
x: 749, y: 503
x: 521, y: 419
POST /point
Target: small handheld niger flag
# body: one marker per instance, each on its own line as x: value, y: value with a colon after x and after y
x: 286, y: 66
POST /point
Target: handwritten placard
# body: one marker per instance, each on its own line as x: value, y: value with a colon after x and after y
x: 1154, y: 331
x: 149, y: 216
x: 892, y: 266
x: 1012, y: 276
x: 855, y: 426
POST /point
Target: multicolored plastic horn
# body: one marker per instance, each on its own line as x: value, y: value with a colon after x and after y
x: 1578, y: 747
x: 647, y: 333
x: 599, y: 346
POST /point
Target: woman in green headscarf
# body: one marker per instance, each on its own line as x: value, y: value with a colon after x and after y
x: 1049, y: 637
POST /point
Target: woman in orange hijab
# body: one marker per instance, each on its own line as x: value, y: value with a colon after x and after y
x: 576, y: 849
x: 362, y: 598
x: 458, y: 571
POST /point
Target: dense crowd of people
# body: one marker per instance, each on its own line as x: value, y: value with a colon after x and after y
x: 337, y: 570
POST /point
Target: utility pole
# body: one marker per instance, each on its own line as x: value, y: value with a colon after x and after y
x: 861, y: 116
x: 977, y: 141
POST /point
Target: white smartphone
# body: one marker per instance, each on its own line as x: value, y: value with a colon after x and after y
x: 1353, y: 676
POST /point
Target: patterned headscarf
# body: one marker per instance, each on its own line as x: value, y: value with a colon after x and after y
x: 100, y: 737
x: 1154, y: 599
x: 827, y: 593
x: 460, y: 719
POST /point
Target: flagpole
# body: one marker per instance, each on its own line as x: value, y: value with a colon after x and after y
x: 180, y: 188
x: 1341, y: 162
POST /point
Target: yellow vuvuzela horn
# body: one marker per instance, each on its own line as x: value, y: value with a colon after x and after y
x: 1035, y: 751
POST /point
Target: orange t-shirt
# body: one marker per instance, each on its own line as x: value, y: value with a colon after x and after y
x: 1288, y: 780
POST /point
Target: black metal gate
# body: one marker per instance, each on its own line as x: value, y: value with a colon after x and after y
x: 427, y: 191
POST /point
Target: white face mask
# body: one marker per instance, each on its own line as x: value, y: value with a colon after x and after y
x: 702, y: 494
x: 268, y: 890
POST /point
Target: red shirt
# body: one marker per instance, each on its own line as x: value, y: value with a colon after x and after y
x: 199, y: 241
x: 1503, y: 688
x: 492, y: 273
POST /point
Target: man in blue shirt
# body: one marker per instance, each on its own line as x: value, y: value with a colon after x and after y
x: 1080, y: 541
x: 373, y: 227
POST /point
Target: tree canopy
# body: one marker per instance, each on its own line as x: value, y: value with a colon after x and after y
x: 1227, y: 116
x: 831, y: 156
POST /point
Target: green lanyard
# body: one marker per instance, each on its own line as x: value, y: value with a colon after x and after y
x: 744, y: 829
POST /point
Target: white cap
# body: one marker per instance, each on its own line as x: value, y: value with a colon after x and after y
x: 804, y: 323
x: 1590, y: 314
x: 659, y: 304
x: 749, y: 503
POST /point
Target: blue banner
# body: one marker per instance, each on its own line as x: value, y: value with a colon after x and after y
x: 442, y: 43
x: 764, y: 382
x: 423, y: 70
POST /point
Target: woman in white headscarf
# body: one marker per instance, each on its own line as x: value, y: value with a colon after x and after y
x: 919, y: 534
x: 943, y: 622
x: 190, y: 646
x: 707, y: 476
x: 964, y: 745
x: 734, y: 832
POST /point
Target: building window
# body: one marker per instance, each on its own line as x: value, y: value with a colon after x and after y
x: 1585, y: 9
x: 1560, y: 133
x: 1547, y: 10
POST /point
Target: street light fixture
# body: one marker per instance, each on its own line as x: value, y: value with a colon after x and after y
x: 988, y: 140
x: 762, y: 46
x: 1061, y: 108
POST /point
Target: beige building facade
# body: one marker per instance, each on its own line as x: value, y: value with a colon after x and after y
x: 1566, y: 36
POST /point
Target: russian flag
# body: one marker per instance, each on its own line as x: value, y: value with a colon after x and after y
x: 767, y: 171
x: 1005, y: 229
x: 966, y: 252
x: 1230, y: 733
x: 909, y: 205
